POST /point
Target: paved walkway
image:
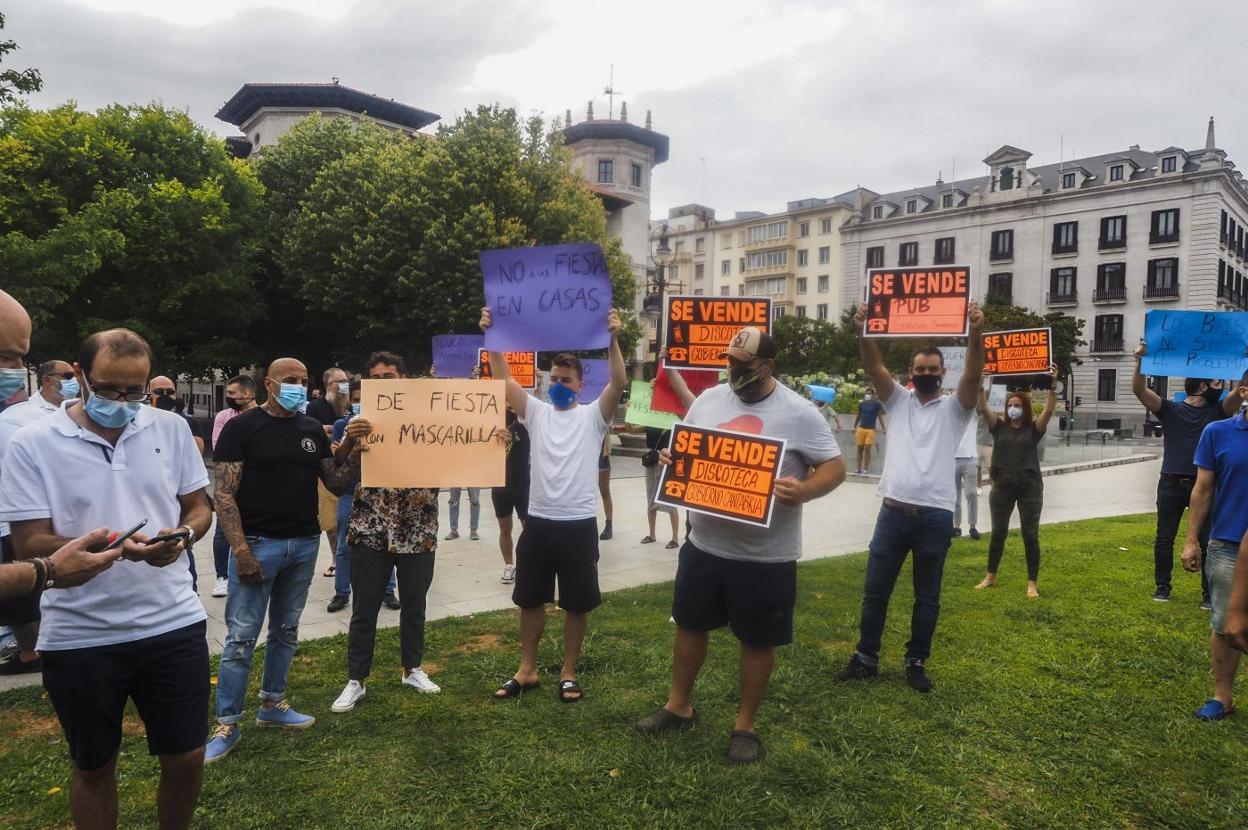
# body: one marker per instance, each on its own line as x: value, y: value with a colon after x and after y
x: 466, y: 579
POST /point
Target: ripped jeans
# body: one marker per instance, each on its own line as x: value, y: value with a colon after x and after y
x: 288, y: 566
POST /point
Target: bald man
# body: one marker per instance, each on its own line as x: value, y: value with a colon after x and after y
x: 269, y: 461
x: 165, y: 396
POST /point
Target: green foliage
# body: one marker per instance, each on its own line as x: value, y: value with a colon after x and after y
x: 16, y: 82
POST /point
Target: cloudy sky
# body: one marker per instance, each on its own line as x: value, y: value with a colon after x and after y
x: 765, y: 101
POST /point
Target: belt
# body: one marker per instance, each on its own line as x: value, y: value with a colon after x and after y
x: 908, y: 509
x: 1175, y: 478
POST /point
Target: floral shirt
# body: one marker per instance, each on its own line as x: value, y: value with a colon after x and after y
x: 394, y: 519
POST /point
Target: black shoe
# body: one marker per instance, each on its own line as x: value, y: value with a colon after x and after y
x: 957, y: 531
x: 1206, y: 605
x: 917, y: 677
x: 1162, y: 594
x: 974, y: 534
x: 389, y: 600
x: 606, y: 532
x: 16, y: 665
x: 338, y: 603
x: 857, y: 669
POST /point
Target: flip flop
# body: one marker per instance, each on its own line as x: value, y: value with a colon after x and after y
x: 570, y: 687
x: 647, y: 540
x: 513, y: 688
x: 672, y: 545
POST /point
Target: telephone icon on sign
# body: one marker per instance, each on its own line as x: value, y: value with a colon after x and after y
x: 675, y: 489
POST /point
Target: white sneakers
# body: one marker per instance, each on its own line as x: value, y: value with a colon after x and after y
x: 220, y: 587
x: 350, y: 696
x: 509, y: 574
x: 420, y: 681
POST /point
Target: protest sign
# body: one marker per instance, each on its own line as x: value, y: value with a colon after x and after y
x: 822, y: 393
x: 917, y: 302
x: 433, y: 433
x: 639, y: 410
x: 664, y: 396
x: 722, y: 473
x: 996, y: 397
x: 1018, y: 352
x: 522, y: 365
x: 455, y: 355
x: 1195, y: 344
x: 594, y: 376
x: 955, y: 363
x: 550, y: 298
x: 698, y: 329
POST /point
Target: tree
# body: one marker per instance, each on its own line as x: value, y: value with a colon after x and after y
x: 14, y: 82
x: 380, y: 242
x: 131, y: 216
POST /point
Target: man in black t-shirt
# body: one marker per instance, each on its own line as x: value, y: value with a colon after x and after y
x: 1182, y: 424
x: 268, y: 463
x: 515, y: 495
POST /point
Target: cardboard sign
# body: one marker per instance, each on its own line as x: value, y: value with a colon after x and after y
x: 955, y: 364
x: 664, y: 396
x: 918, y: 302
x: 996, y: 397
x: 822, y: 393
x: 639, y: 409
x: 722, y: 473
x: 698, y: 329
x: 595, y: 375
x: 434, y: 433
x: 523, y: 367
x: 455, y: 355
x: 1018, y: 352
x: 1196, y: 344
x: 547, y: 299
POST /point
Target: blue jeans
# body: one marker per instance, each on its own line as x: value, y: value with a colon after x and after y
x: 288, y: 566
x: 342, y: 552
x: 474, y: 507
x: 927, y: 531
x: 221, y: 553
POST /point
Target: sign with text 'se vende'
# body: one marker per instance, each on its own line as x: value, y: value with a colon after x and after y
x: 698, y: 329
x: 433, y: 433
x: 1195, y: 344
x: 547, y: 299
x: 521, y: 365
x: 918, y: 302
x: 721, y: 473
x: 1018, y: 352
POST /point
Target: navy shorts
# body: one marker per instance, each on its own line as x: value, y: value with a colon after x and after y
x: 754, y: 599
x: 563, y: 551
x: 507, y: 499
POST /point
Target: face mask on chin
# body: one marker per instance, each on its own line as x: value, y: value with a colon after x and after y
x: 926, y: 384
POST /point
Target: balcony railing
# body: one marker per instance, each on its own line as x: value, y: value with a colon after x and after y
x: 1161, y: 292
x: 1107, y: 344
x: 1109, y: 244
x: 1072, y: 248
x: 1162, y: 238
x: 999, y: 256
x: 1062, y: 298
x: 998, y: 297
x: 1114, y: 294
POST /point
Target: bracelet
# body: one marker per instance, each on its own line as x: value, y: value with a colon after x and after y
x: 190, y: 534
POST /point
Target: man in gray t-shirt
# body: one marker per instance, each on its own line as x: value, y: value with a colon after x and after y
x: 741, y: 575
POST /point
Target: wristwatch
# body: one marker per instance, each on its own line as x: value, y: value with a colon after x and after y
x: 190, y: 534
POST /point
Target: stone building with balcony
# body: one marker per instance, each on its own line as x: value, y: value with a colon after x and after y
x: 1104, y: 238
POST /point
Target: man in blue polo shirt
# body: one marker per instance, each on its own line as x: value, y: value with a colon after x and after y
x: 1221, y: 482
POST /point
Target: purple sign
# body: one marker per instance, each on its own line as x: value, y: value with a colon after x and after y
x: 455, y: 355
x: 550, y: 298
x: 597, y: 373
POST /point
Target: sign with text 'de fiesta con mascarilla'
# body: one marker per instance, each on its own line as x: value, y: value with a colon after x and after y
x: 547, y: 299
x: 721, y: 473
x: 698, y: 329
x: 1196, y: 344
x: 433, y: 433
x: 1018, y: 352
x: 918, y: 302
x: 521, y: 365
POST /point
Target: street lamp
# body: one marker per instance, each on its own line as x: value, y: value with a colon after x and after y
x: 663, y: 257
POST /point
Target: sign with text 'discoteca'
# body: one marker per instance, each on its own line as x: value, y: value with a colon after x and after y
x: 1018, y: 352
x: 722, y: 473
x: 434, y: 433
x: 918, y: 302
x: 521, y: 365
x: 698, y: 329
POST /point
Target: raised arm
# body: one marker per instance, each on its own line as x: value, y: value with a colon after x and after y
x: 609, y: 400
x: 873, y: 361
x: 1139, y: 388
x: 516, y: 396
x: 972, y: 383
x: 1050, y: 403
x: 990, y: 417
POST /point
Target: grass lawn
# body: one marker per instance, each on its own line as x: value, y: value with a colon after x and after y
x: 1070, y: 711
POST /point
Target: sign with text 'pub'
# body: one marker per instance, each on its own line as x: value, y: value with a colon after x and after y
x: 918, y: 302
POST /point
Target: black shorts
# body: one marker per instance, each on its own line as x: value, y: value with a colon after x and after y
x: 754, y: 599
x: 565, y: 550
x: 19, y: 610
x: 507, y: 499
x: 604, y: 463
x: 166, y: 676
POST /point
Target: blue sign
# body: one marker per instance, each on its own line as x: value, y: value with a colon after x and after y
x: 548, y: 299
x: 1196, y: 344
x: 455, y: 355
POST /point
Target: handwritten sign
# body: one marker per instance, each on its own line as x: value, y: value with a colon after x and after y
x: 996, y: 396
x: 822, y: 393
x: 955, y: 364
x: 722, y: 473
x: 698, y: 329
x: 1018, y: 352
x: 595, y: 374
x: 1196, y: 344
x: 639, y: 409
x: 664, y: 396
x: 433, y: 433
x: 522, y: 365
x: 455, y: 355
x: 550, y: 298
x: 910, y: 302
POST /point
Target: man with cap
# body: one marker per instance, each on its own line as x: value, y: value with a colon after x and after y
x: 741, y: 575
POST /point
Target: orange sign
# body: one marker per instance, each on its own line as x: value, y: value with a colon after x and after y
x: 522, y: 365
x: 1018, y: 352
x: 910, y: 302
x: 700, y: 328
x: 722, y: 473
x: 434, y: 433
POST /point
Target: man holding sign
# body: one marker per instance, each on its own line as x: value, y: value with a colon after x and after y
x: 560, y: 540
x: 744, y: 575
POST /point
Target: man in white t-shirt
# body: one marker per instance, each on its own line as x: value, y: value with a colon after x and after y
x: 919, y: 494
x: 560, y: 539
x: 135, y: 631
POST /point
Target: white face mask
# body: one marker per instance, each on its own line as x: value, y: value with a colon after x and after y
x: 1015, y: 412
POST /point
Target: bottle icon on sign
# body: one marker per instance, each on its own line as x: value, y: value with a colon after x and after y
x: 679, y: 334
x: 680, y: 467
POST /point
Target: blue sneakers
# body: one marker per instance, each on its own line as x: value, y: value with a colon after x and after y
x: 224, y: 739
x: 283, y: 716
x: 1214, y: 709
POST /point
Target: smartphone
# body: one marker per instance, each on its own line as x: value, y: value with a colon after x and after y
x: 168, y: 537
x: 123, y: 537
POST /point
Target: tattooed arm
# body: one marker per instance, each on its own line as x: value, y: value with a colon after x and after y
x: 229, y: 476
x: 338, y: 478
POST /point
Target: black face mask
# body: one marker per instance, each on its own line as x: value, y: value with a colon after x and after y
x: 925, y: 384
x: 235, y: 403
x: 1212, y: 396
x: 745, y: 381
x: 164, y: 402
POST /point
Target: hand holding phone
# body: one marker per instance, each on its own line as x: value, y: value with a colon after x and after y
x: 120, y: 540
x: 169, y: 537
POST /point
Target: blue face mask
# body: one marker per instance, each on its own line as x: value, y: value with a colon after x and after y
x: 292, y: 396
x: 355, y: 409
x: 11, y: 381
x: 70, y: 388
x: 111, y: 414
x: 561, y: 396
